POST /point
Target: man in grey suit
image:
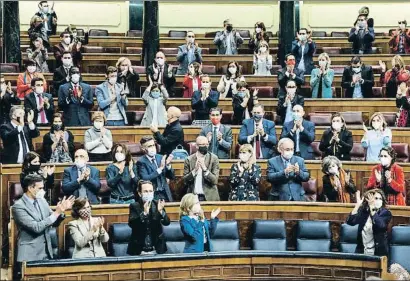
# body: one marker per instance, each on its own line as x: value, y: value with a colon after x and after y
x: 188, y: 53
x: 286, y: 172
x: 219, y: 136
x: 34, y: 220
x: 228, y: 40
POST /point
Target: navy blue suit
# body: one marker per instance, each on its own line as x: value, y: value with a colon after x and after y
x: 70, y: 185
x: 267, y: 147
x: 193, y: 231
x: 305, y: 138
x: 76, y: 110
x: 147, y: 171
x: 286, y: 188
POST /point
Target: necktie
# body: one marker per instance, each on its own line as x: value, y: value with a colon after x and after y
x: 297, y: 140
x: 258, y: 147
x: 75, y: 91
x: 42, y: 112
x: 215, y: 141
x: 23, y: 143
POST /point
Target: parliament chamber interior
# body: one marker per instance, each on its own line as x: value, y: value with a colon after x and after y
x: 205, y: 140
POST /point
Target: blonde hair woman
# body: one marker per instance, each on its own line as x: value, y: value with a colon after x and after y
x: 196, y: 228
x: 262, y: 61
x: 322, y: 78
x: 377, y: 137
x: 127, y: 77
x: 393, y: 77
x: 245, y: 176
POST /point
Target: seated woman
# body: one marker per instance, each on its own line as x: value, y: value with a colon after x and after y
x: 378, y: 137
x: 39, y: 54
x: 24, y: 79
x: 155, y: 98
x: 338, y: 185
x: 203, y: 101
x: 288, y: 100
x: 98, y: 139
x: 393, y: 77
x: 87, y: 232
x: 243, y: 103
x: 192, y: 80
x: 127, y: 77
x: 373, y: 217
x: 322, y: 78
x: 245, y: 176
x: 389, y: 177
x: 262, y: 61
x: 122, y: 176
x: 403, y: 103
x: 32, y: 165
x: 227, y: 84
x: 58, y: 144
x: 196, y: 228
x: 337, y: 140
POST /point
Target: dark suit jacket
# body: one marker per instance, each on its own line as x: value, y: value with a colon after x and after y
x: 330, y: 194
x: 172, y: 136
x: 308, y: 52
x: 10, y: 138
x: 47, y: 143
x: 340, y: 150
x: 52, y: 26
x: 281, y: 109
x: 169, y: 82
x: 6, y: 103
x: 368, y: 38
x: 130, y: 80
x: 305, y: 138
x: 283, y: 79
x: 223, y: 148
x: 140, y: 223
x: 267, y: 147
x: 59, y: 78
x: 59, y: 51
x: 148, y: 171
x: 30, y: 103
x: 70, y: 185
x: 239, y: 111
x: 381, y: 221
x: 76, y: 111
x: 368, y: 81
x: 284, y: 188
x: 201, y: 107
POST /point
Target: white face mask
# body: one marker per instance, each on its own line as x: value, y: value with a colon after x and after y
x: 287, y: 154
x: 112, y: 80
x: 263, y: 49
x: 206, y: 85
x: 98, y: 125
x: 322, y: 63
x: 160, y: 62
x: 31, y: 68
x: 39, y: 90
x: 40, y: 194
x: 376, y: 125
x: 67, y: 62
x: 67, y: 41
x: 258, y: 30
x: 232, y: 70
x: 147, y: 197
x: 402, y: 26
x: 291, y: 91
x: 75, y: 78
x: 334, y: 170
x: 80, y: 163
x: 378, y: 204
x: 337, y: 126
x: 362, y: 24
x: 244, y: 156
x: 119, y: 156
x: 45, y: 10
x: 303, y: 37
x: 191, y: 40
x: 385, y: 161
x: 356, y: 69
x: 152, y: 152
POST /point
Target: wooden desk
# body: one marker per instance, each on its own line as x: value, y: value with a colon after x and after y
x: 249, y: 265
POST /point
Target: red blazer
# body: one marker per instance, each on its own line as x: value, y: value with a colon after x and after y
x: 188, y: 87
x: 396, y: 184
x: 24, y: 83
x: 394, y: 42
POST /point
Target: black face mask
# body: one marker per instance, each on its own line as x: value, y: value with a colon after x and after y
x: 203, y: 150
x: 229, y: 28
x: 33, y: 167
x: 57, y: 127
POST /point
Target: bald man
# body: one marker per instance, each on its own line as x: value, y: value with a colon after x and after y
x: 201, y: 172
x: 162, y: 73
x: 286, y: 173
x: 81, y: 179
x: 301, y: 131
x: 173, y: 134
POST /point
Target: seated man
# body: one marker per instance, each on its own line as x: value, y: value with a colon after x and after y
x: 81, y: 179
x: 7, y: 99
x: 286, y: 172
x: 34, y: 219
x: 228, y: 41
x: 75, y: 99
x: 201, y: 172
x: 303, y: 49
x: 17, y: 136
x: 301, y: 131
x: 260, y: 133
x: 219, y: 136
x: 173, y: 134
x: 62, y: 74
x: 358, y: 79
x: 162, y: 73
x: 147, y: 216
x: 67, y: 46
x: 290, y: 73
x: 361, y: 36
x: 287, y: 100
x: 156, y: 169
x: 40, y: 103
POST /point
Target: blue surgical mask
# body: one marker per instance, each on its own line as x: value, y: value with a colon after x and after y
x: 155, y: 94
x: 147, y: 197
x: 241, y: 94
x: 257, y: 117
x: 296, y: 116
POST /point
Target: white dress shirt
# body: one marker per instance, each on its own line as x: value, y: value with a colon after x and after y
x: 20, y: 158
